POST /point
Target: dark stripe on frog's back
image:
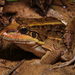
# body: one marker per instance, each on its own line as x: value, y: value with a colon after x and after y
x: 36, y: 21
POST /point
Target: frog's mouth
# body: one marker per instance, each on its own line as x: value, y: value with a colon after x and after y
x: 16, y: 37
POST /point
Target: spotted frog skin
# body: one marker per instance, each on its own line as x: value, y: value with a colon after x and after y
x: 43, y: 37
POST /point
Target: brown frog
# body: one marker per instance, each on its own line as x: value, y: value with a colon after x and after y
x: 43, y: 37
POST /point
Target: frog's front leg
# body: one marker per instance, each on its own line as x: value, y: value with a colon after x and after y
x: 50, y: 57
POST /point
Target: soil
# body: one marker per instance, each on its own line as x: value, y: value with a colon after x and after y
x: 9, y: 58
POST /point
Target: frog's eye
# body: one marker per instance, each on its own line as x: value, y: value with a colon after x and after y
x: 34, y: 34
x: 23, y: 30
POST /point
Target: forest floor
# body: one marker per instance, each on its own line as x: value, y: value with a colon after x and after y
x: 22, y: 9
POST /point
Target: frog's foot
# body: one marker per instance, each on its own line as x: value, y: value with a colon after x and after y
x: 65, y: 64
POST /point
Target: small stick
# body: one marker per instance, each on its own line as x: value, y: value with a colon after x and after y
x: 13, y: 69
x: 5, y: 67
x: 65, y: 64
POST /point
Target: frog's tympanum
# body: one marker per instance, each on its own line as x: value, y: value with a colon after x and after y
x: 44, y: 37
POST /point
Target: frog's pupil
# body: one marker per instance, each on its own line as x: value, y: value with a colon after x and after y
x: 34, y: 35
x: 23, y: 31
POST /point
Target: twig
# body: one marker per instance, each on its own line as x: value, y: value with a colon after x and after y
x: 5, y: 67
x: 2, y: 20
x: 13, y: 69
x: 65, y: 64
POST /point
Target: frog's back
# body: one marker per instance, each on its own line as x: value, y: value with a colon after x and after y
x: 38, y: 21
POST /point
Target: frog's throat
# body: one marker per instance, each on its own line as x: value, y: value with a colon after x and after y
x: 21, y: 38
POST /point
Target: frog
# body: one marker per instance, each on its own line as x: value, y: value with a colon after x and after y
x: 44, y: 4
x: 44, y: 37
